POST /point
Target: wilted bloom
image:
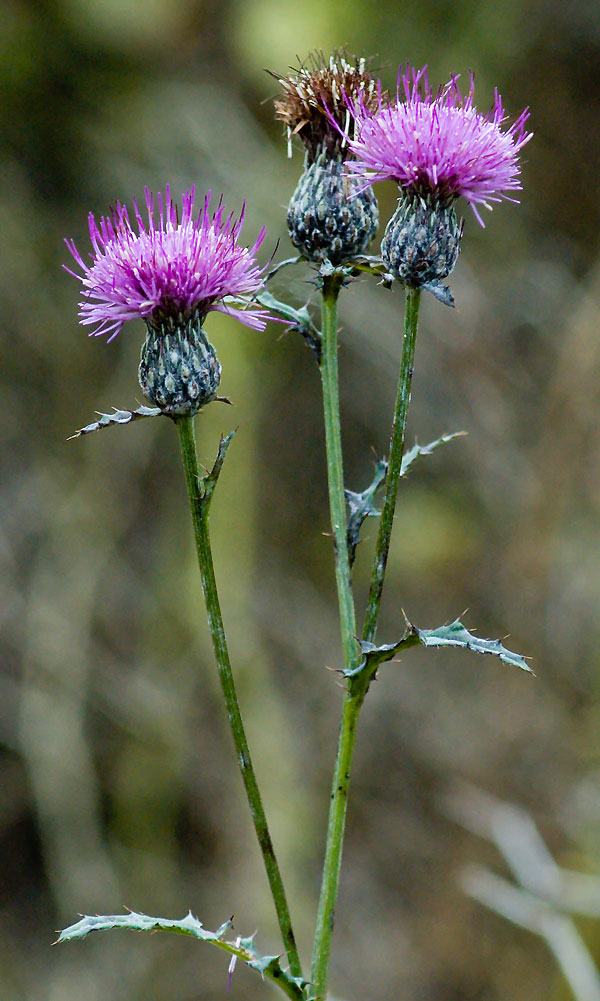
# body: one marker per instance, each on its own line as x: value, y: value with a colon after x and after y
x: 172, y: 272
x: 437, y: 147
x: 324, y: 221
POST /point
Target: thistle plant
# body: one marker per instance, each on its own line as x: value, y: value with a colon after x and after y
x: 176, y: 267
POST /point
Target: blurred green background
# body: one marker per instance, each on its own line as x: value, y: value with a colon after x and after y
x: 118, y: 781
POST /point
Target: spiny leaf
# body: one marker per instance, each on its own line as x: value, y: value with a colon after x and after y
x: 118, y: 417
x: 375, y: 655
x: 209, y: 481
x: 133, y: 921
x: 244, y: 949
x: 361, y: 504
x: 413, y: 453
x: 454, y: 634
x: 361, y: 507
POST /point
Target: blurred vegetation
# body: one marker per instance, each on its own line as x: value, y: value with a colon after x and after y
x: 118, y: 784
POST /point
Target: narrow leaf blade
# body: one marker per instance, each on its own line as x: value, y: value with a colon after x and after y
x: 117, y: 417
x: 133, y: 921
x: 244, y: 949
x: 455, y: 634
x: 417, y: 450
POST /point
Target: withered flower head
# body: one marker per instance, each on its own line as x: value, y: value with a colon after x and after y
x: 316, y: 97
x: 327, y: 219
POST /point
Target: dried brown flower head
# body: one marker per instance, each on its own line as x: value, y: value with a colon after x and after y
x: 318, y: 89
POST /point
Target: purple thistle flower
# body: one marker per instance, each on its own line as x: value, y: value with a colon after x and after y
x: 171, y: 273
x: 438, y: 147
x: 171, y: 269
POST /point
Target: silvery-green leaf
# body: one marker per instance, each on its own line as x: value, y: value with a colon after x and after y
x: 413, y: 453
x: 441, y: 292
x: 243, y: 949
x: 296, y: 316
x: 118, y: 417
x: 455, y: 634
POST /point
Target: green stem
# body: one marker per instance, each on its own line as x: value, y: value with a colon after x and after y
x: 335, y: 469
x: 199, y: 503
x: 411, y: 320
x: 352, y: 700
x: 357, y: 686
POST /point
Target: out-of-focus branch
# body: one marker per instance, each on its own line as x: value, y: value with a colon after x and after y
x: 546, y: 894
x: 517, y: 838
x: 558, y: 930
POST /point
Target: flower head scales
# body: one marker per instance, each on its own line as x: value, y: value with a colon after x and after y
x: 438, y: 145
x: 173, y: 268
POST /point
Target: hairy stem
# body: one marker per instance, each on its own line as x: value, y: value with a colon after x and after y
x: 199, y: 504
x: 411, y: 320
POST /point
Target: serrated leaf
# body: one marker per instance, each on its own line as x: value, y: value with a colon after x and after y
x: 417, y: 450
x: 118, y: 417
x: 455, y: 634
x: 244, y: 949
x: 266, y: 965
x: 361, y: 507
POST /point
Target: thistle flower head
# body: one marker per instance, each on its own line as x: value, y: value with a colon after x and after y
x: 175, y: 268
x: 316, y: 97
x: 437, y: 146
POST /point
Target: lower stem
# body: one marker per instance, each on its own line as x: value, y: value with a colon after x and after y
x: 352, y: 702
x: 199, y: 509
x: 335, y: 840
x: 386, y: 521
